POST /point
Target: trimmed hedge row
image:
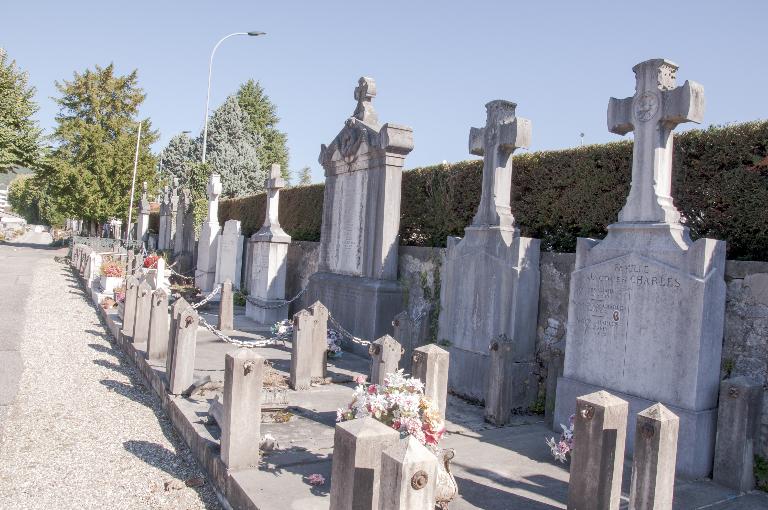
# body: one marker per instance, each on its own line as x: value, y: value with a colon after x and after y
x: 720, y: 185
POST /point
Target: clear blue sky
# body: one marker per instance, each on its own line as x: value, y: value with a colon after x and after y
x: 436, y: 64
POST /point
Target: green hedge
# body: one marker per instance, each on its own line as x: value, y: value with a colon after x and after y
x: 720, y: 185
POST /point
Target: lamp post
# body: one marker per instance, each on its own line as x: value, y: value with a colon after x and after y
x: 210, y: 68
x: 133, y: 184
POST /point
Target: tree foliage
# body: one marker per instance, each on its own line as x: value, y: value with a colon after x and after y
x: 90, y: 171
x: 263, y: 120
x: 20, y: 137
x: 305, y: 177
x: 177, y: 159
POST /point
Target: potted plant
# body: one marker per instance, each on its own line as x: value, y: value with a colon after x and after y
x: 111, y: 275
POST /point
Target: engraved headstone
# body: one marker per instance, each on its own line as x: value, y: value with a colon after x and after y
x: 385, y: 357
x: 143, y: 310
x: 162, y: 229
x: 229, y: 261
x: 357, y: 278
x: 157, y: 343
x: 491, y: 276
x: 646, y: 307
x: 207, y: 246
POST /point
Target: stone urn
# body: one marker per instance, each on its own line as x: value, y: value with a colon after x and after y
x: 446, y: 488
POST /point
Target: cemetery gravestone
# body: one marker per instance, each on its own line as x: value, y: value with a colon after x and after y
x: 143, y: 310
x: 142, y: 227
x: 229, y: 261
x: 653, y: 465
x: 207, y: 246
x: 491, y: 278
x: 179, y: 306
x: 269, y: 260
x: 304, y: 364
x: 226, y: 307
x: 173, y: 206
x: 430, y: 365
x: 408, y: 476
x: 385, y: 357
x: 162, y: 230
x: 181, y: 375
x: 129, y: 315
x: 357, y: 277
x: 157, y: 343
x: 646, y: 307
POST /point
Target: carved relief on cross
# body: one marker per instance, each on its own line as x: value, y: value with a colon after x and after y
x: 502, y: 135
x: 657, y: 107
x: 273, y: 185
x: 214, y: 190
x: 364, y: 94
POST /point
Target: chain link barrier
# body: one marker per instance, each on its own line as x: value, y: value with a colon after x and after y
x: 343, y: 332
x: 255, y: 303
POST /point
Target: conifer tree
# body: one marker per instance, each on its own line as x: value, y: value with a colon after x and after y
x: 262, y: 114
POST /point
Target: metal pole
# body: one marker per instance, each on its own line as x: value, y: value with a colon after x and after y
x: 133, y: 184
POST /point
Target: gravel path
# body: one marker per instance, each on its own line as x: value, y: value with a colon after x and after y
x: 84, y: 432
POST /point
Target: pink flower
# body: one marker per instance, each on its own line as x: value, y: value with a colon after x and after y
x: 360, y: 379
x: 371, y: 389
x: 316, y: 479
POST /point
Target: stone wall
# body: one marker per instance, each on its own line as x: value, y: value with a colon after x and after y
x: 745, y: 350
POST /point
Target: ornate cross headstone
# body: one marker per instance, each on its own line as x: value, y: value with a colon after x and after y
x: 162, y: 230
x: 271, y: 228
x: 364, y: 94
x: 207, y: 246
x: 657, y: 107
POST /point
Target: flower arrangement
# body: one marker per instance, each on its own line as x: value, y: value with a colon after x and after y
x: 334, y: 344
x: 112, y: 269
x: 560, y: 449
x: 120, y: 294
x: 398, y: 403
x: 151, y: 260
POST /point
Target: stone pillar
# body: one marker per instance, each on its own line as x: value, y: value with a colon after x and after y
x: 302, y: 350
x: 653, y: 465
x: 241, y: 418
x: 319, y: 362
x: 173, y: 207
x: 355, y: 472
x: 269, y: 259
x: 162, y: 229
x: 179, y: 306
x: 385, y: 358
x: 207, y: 246
x: 129, y: 315
x: 226, y: 307
x: 229, y: 260
x: 143, y: 221
x: 501, y: 397
x: 554, y: 371
x: 182, y: 371
x: 411, y: 333
x: 597, y: 462
x: 430, y: 365
x: 143, y: 310
x: 408, y: 476
x: 738, y: 422
x: 157, y: 343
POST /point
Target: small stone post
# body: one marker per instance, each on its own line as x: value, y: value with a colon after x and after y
x: 596, y: 466
x: 498, y: 398
x: 183, y: 363
x: 319, y: 363
x: 226, y: 307
x: 385, y: 358
x: 302, y: 350
x: 143, y: 310
x: 554, y: 371
x: 653, y: 463
x: 356, y: 467
x: 129, y: 315
x: 408, y: 476
x: 179, y: 306
x: 430, y: 365
x: 241, y: 427
x: 738, y: 419
x: 157, y: 343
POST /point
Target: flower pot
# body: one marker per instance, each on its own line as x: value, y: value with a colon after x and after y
x: 109, y: 283
x: 446, y: 488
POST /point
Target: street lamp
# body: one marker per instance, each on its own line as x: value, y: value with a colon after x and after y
x: 133, y: 183
x: 210, y: 68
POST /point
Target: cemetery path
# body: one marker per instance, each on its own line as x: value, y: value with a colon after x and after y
x: 83, y: 432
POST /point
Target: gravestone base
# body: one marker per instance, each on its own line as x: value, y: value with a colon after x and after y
x: 204, y: 281
x: 696, y: 439
x: 363, y: 306
x: 266, y: 315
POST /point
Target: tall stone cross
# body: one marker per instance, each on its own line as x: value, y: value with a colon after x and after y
x: 657, y: 107
x: 502, y: 134
x: 214, y: 190
x: 364, y: 94
x: 273, y: 185
x: 144, y: 203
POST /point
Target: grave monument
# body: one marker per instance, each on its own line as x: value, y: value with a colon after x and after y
x: 207, y: 245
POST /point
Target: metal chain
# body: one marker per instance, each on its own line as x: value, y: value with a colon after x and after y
x: 207, y: 298
x: 187, y: 278
x: 346, y: 333
x: 239, y: 343
x: 255, y: 303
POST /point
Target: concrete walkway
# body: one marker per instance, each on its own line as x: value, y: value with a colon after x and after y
x: 82, y: 432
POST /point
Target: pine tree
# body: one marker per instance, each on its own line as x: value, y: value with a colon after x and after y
x: 305, y: 177
x: 177, y: 158
x: 263, y: 123
x: 90, y: 171
x: 233, y: 150
x: 20, y: 137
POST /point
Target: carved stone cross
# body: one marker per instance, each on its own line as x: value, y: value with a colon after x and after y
x: 364, y: 94
x: 273, y: 184
x: 144, y: 190
x: 214, y: 190
x: 657, y: 107
x: 502, y: 134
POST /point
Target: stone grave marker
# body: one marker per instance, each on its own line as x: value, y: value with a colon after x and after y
x: 269, y: 260
x: 143, y: 310
x: 179, y: 306
x: 408, y: 476
x: 302, y: 351
x: 357, y: 277
x: 129, y: 314
x: 491, y: 276
x: 653, y: 465
x: 385, y: 358
x: 646, y: 307
x: 162, y: 229
x: 173, y: 207
x: 226, y: 307
x: 207, y: 245
x: 430, y: 365
x: 157, y: 343
x: 229, y: 261
x: 142, y: 227
x: 182, y: 371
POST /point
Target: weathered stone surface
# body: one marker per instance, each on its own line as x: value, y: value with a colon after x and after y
x: 129, y: 314
x: 596, y: 466
x: 162, y: 229
x: 408, y: 476
x: 491, y: 277
x: 179, y: 306
x: 241, y: 417
x: 157, y: 342
x: 385, y: 357
x: 207, y: 246
x: 502, y: 396
x: 653, y: 465
x: 737, y: 430
x: 355, y: 472
x: 361, y: 217
x: 647, y: 304
x: 226, y: 307
x: 319, y: 332
x: 184, y: 346
x: 430, y: 365
x: 229, y: 260
x: 142, y: 226
x: 302, y: 351
x: 143, y: 310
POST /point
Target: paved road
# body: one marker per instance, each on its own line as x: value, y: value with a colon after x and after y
x: 18, y: 262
